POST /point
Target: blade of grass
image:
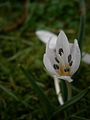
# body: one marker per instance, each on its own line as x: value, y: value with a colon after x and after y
x: 82, y: 24
x: 64, y: 90
x: 9, y: 92
x: 76, y: 114
x: 79, y: 118
x: 14, y: 96
x: 46, y: 104
x: 70, y: 102
x: 30, y: 8
x: 23, y: 52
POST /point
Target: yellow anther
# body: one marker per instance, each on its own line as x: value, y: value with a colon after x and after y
x: 64, y: 70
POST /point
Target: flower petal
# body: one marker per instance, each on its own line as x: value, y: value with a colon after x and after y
x: 51, y: 54
x: 62, y: 45
x: 45, y: 36
x: 76, y: 56
x: 48, y: 65
x: 86, y: 57
x: 67, y: 78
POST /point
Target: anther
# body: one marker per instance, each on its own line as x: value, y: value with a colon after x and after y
x: 68, y: 69
x: 56, y: 66
x: 71, y: 63
x: 69, y: 58
x: 56, y: 60
x: 61, y: 51
x: 65, y: 70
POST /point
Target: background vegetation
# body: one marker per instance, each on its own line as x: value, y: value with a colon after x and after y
x: 20, y: 46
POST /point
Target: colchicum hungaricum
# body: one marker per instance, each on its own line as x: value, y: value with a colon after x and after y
x: 64, y: 59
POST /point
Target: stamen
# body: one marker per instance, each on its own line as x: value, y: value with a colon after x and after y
x: 56, y: 60
x: 56, y: 66
x: 61, y: 51
x: 69, y: 58
x: 68, y: 69
x: 64, y: 70
x: 71, y: 63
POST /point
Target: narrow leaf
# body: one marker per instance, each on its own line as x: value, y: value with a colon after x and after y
x: 64, y: 89
x: 46, y: 104
x: 14, y: 96
x: 9, y: 92
x: 79, y: 118
x: 71, y: 102
x: 82, y: 24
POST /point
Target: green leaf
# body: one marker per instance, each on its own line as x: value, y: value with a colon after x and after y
x: 82, y: 24
x: 78, y: 118
x: 13, y: 96
x: 9, y: 92
x: 71, y: 102
x: 20, y: 53
x: 4, y: 66
x: 46, y: 104
x: 64, y: 89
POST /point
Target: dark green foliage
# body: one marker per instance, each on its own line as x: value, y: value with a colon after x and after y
x: 18, y: 99
x: 45, y: 102
x: 72, y: 101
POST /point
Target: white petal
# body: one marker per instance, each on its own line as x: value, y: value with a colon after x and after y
x: 62, y: 42
x: 70, y: 45
x: 45, y: 36
x: 86, y: 57
x: 67, y: 78
x: 51, y: 54
x: 48, y: 65
x: 76, y: 56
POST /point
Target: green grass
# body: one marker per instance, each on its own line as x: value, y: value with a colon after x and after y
x: 21, y: 46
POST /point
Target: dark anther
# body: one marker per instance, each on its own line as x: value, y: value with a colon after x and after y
x: 61, y: 51
x: 71, y: 63
x: 56, y: 60
x: 69, y: 58
x: 65, y: 70
x: 56, y: 66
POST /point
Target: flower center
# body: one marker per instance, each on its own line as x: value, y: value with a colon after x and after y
x: 64, y: 70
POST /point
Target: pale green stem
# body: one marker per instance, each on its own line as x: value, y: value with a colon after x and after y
x: 58, y: 90
x: 69, y: 90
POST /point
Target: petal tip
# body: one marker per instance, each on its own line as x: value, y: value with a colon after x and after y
x: 38, y: 32
x: 67, y: 78
x: 62, y: 32
x: 76, y: 42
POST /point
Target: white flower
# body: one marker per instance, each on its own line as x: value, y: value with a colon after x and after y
x: 63, y: 58
x: 45, y: 36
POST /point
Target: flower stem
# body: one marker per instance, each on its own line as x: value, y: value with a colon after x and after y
x: 69, y: 90
x: 58, y: 90
x: 63, y: 90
